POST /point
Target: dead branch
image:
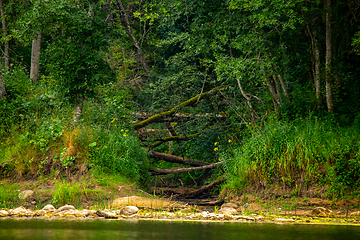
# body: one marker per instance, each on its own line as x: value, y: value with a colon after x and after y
x: 176, y: 159
x: 182, y: 169
x: 160, y: 141
x: 186, y: 192
x: 190, y: 102
x: 179, y: 117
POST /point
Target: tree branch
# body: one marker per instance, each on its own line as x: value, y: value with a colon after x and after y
x: 190, y: 102
x: 181, y: 169
x: 176, y: 159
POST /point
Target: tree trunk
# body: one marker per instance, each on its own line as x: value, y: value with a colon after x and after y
x: 329, y: 97
x: 35, y: 58
x: 132, y: 37
x: 243, y: 93
x: 316, y: 61
x: 272, y: 91
x: 176, y: 159
x: 77, y: 111
x: 6, y: 53
x: 182, y: 169
x: 2, y: 86
x: 283, y: 86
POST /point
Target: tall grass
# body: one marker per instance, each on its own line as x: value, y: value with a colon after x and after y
x: 116, y: 151
x: 310, y: 150
x: 9, y: 195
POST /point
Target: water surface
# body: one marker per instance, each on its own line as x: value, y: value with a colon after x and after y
x: 161, y: 230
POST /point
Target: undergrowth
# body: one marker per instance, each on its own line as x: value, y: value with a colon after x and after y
x: 302, y: 153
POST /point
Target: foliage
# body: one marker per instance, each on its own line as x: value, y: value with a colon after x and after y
x: 311, y: 149
x: 8, y: 195
x: 71, y: 193
x: 116, y: 150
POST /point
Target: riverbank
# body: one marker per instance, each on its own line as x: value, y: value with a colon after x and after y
x: 164, y: 210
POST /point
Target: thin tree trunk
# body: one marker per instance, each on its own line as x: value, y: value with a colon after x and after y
x: 132, y: 37
x: 243, y: 93
x: 78, y: 107
x: 316, y: 61
x: 176, y: 159
x: 180, y: 169
x: 329, y: 97
x: 35, y: 58
x: 6, y: 54
x: 2, y: 86
x: 277, y: 88
x: 283, y: 86
x: 317, y: 69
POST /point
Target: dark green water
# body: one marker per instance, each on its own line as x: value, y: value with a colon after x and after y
x: 159, y: 230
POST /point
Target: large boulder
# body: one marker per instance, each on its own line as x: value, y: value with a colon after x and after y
x: 227, y: 211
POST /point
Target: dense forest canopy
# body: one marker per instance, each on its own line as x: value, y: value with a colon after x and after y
x: 269, y: 88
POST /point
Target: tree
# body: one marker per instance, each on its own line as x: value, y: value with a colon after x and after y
x: 6, y: 52
x: 74, y: 55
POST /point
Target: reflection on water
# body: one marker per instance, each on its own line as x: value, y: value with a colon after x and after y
x: 161, y: 230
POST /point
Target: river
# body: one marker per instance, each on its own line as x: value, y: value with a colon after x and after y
x: 37, y: 229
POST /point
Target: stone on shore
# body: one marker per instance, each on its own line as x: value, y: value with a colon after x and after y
x: 229, y: 205
x: 49, y: 207
x: 355, y: 214
x: 321, y: 211
x: 227, y: 211
x: 129, y: 210
x: 3, y: 213
x: 287, y: 220
x: 66, y: 208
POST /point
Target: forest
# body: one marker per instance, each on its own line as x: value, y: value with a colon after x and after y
x: 217, y: 96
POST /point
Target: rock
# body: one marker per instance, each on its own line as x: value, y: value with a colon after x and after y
x: 355, y: 214
x: 87, y: 213
x: 284, y: 220
x: 107, y: 214
x: 49, y: 207
x: 25, y: 194
x: 242, y: 217
x: 129, y: 210
x: 66, y: 208
x: 229, y: 205
x: 3, y: 213
x: 100, y: 213
x: 227, y: 211
x: 18, y: 211
x: 321, y: 211
x: 39, y: 213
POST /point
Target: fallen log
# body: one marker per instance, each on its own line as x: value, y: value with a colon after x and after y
x: 176, y: 159
x: 189, y: 193
x: 179, y: 117
x: 182, y: 169
x: 191, y: 102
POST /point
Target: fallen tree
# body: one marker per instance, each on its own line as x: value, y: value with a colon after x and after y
x: 191, y: 102
x: 188, y: 192
x: 175, y: 159
x: 182, y: 169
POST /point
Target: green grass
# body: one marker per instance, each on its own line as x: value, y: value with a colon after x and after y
x: 73, y: 193
x: 312, y: 150
x: 9, y: 195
